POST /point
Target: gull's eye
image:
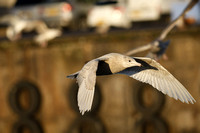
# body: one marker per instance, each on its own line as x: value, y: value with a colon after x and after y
x: 129, y: 60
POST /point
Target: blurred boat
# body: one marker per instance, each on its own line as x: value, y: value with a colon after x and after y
x: 106, y: 14
x: 53, y: 14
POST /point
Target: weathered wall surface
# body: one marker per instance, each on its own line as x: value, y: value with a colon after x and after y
x: 114, y: 109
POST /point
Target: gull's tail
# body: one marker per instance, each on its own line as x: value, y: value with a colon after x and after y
x: 73, y: 76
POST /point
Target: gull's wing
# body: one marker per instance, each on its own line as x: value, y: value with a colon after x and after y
x: 86, y: 80
x: 153, y: 73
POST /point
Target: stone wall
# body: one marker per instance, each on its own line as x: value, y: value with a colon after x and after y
x: 27, y: 67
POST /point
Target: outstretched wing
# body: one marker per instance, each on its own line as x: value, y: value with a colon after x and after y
x: 86, y: 80
x: 153, y: 73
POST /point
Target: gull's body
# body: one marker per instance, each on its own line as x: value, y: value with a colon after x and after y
x: 17, y: 25
x: 140, y: 68
x: 46, y: 35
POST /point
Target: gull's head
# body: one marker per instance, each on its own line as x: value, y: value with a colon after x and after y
x: 118, y: 62
x: 129, y: 62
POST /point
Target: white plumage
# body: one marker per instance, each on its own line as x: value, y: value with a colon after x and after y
x: 140, y: 68
x: 86, y: 80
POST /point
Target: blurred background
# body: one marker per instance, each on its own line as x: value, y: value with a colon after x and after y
x: 43, y: 41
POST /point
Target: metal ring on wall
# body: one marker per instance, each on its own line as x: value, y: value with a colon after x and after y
x: 30, y: 124
x: 153, y: 124
x: 14, y: 96
x: 155, y: 107
x: 150, y: 121
x: 26, y: 119
x: 87, y: 124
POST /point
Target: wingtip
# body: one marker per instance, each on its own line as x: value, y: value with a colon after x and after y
x: 191, y: 101
x: 82, y: 112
